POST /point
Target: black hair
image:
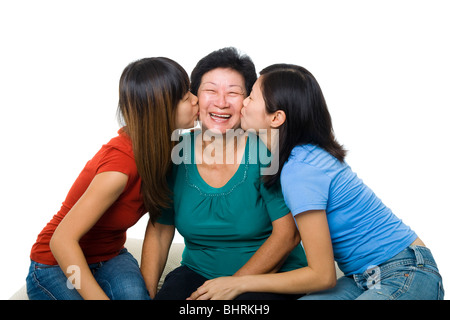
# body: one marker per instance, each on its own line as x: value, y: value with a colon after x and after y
x: 225, y: 58
x: 149, y: 92
x: 294, y: 90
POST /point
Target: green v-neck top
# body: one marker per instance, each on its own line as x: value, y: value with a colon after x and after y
x: 223, y: 227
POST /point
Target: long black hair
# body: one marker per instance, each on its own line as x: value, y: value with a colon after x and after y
x: 149, y: 92
x: 294, y: 90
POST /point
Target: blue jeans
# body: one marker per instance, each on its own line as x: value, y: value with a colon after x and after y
x: 410, y: 275
x: 120, y: 278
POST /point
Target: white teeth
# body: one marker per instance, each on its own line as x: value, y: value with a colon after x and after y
x: 226, y: 116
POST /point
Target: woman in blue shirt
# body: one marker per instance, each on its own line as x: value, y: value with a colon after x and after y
x: 339, y: 218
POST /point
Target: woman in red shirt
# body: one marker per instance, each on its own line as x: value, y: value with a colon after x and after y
x: 80, y: 253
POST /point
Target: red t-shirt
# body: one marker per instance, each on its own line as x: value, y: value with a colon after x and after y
x: 107, y: 237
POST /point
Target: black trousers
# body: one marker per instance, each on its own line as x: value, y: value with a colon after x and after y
x: 181, y: 282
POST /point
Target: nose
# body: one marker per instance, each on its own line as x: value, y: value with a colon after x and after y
x: 221, y: 100
x: 194, y: 99
x: 245, y: 102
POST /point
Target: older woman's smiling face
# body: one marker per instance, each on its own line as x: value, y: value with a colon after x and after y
x: 220, y: 99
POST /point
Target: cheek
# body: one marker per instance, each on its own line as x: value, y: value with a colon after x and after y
x: 202, y: 113
x: 204, y: 100
x: 202, y: 105
x: 238, y: 103
x: 235, y: 108
x: 184, y: 112
x: 254, y: 118
x: 249, y: 112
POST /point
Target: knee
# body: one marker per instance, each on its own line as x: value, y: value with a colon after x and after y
x: 125, y: 287
x: 132, y: 292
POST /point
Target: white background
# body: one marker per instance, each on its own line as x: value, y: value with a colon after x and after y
x: 383, y: 66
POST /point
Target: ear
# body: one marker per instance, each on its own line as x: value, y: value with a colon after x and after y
x: 277, y: 118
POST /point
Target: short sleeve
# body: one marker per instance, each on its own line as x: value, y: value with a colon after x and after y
x: 113, y: 159
x: 273, y: 197
x: 304, y: 187
x: 167, y: 216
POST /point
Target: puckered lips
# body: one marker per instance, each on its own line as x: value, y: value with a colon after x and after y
x: 220, y: 117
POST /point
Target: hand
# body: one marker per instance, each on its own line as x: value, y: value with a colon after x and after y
x: 224, y: 288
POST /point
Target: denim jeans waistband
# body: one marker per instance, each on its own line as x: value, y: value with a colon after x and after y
x: 422, y: 256
x: 417, y: 256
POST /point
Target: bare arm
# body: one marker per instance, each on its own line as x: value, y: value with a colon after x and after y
x: 102, y: 192
x: 320, y: 273
x: 274, y: 251
x: 155, y: 249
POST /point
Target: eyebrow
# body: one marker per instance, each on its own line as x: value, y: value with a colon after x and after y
x: 215, y: 84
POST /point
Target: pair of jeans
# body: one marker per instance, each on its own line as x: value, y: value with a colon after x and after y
x: 410, y: 275
x: 120, y: 278
x: 182, y: 281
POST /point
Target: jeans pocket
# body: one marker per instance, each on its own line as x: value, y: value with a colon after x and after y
x: 47, y: 282
x: 431, y: 268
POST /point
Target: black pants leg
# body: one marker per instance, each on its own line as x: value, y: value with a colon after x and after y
x: 179, y: 284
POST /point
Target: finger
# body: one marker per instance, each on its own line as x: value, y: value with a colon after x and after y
x: 194, y: 295
x: 205, y: 296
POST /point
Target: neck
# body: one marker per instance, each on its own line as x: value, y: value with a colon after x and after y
x: 219, y: 148
x: 270, y: 137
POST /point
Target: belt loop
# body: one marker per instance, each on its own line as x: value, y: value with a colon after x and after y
x: 419, y: 257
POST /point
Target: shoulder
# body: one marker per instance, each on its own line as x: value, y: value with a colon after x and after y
x: 305, y: 157
x: 312, y: 158
x: 308, y: 166
x: 122, y: 143
x: 310, y: 154
x: 117, y: 155
x: 305, y: 179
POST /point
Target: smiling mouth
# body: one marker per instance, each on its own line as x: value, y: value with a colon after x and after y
x: 219, y: 117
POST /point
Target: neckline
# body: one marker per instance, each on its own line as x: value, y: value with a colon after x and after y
x: 196, y: 180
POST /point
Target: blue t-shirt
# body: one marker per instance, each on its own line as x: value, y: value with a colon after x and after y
x: 364, y: 232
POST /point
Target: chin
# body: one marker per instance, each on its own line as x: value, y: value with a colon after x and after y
x: 244, y: 125
x: 215, y: 129
x: 219, y: 128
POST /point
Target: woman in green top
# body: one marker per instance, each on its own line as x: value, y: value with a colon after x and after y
x: 232, y: 224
